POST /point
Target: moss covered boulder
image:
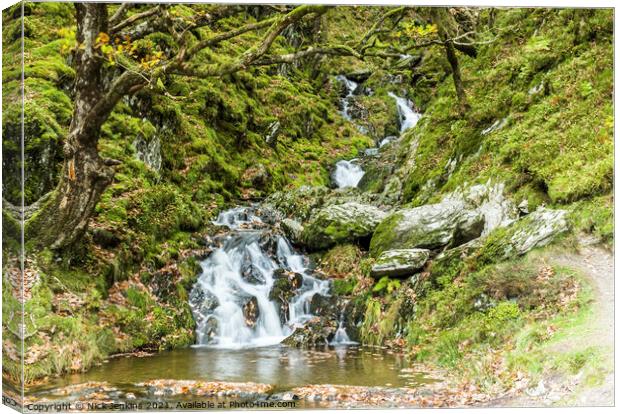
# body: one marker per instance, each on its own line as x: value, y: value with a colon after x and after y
x: 399, y: 262
x: 535, y: 230
x: 430, y: 226
x: 341, y: 223
x: 299, y: 203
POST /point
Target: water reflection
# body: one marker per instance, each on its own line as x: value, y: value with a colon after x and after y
x: 282, y: 366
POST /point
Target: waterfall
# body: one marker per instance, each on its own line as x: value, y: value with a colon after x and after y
x: 231, y: 299
x: 347, y: 173
x: 408, y: 117
x: 350, y: 86
x: 341, y: 337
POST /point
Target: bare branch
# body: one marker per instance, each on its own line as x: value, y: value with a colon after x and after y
x: 376, y: 28
x: 120, y: 12
x: 338, y: 50
x: 134, y: 18
x: 278, y: 24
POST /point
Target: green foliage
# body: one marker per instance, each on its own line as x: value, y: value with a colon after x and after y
x: 386, y: 284
x: 342, y: 260
x: 344, y: 287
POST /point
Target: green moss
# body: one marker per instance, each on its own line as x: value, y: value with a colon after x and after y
x: 555, y: 143
x: 344, y: 287
x: 384, y: 235
x: 594, y: 217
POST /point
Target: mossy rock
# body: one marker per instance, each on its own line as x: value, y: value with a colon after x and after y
x: 298, y: 203
x: 317, y: 332
x: 399, y: 262
x: 429, y: 226
x: 341, y: 223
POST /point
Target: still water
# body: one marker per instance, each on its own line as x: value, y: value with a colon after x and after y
x: 281, y: 366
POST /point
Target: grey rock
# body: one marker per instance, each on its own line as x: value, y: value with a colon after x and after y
x: 400, y: 262
x: 538, y: 229
x: 461, y: 216
x: 335, y: 224
x: 489, y: 200
x: 429, y: 226
x: 293, y: 229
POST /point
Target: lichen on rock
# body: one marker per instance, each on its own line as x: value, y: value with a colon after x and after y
x: 399, y: 262
x: 341, y: 223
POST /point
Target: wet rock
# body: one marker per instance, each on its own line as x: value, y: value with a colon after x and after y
x: 400, y: 262
x: 353, y: 316
x: 211, y: 328
x: 296, y: 280
x: 325, y: 306
x: 341, y: 223
x: 318, y: 331
x: 251, y: 312
x: 292, y: 229
x: 281, y: 294
x: 203, y: 299
x: 268, y: 242
x: 429, y: 226
x: 252, y: 274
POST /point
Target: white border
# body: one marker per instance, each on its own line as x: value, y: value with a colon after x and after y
x: 522, y: 3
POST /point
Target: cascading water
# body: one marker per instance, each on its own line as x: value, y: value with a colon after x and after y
x: 231, y: 300
x: 408, y: 117
x: 351, y: 87
x: 347, y: 173
x: 341, y: 337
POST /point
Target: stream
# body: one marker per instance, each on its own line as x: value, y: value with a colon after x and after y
x: 348, y: 173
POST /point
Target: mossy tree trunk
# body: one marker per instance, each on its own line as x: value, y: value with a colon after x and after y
x: 63, y: 218
x: 445, y: 23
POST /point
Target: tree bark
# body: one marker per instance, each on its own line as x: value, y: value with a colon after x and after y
x: 64, y: 217
x: 444, y: 21
x: 456, y: 75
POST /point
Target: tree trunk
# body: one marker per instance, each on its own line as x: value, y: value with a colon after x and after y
x: 456, y: 75
x: 444, y: 22
x: 63, y: 218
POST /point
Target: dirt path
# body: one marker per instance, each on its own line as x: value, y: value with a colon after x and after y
x: 597, y: 265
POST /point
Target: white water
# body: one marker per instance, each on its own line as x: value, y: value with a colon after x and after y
x: 222, y: 280
x: 408, y: 117
x: 351, y: 86
x: 347, y: 173
x: 341, y: 337
x: 387, y: 140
